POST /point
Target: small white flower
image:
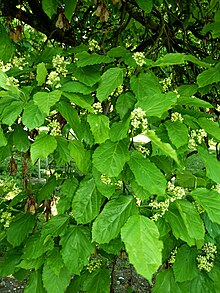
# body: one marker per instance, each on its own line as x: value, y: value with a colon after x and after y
x: 139, y: 58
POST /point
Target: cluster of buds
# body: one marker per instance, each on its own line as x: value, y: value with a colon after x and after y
x: 139, y: 58
x: 97, y: 107
x: 94, y: 264
x: 216, y: 188
x: 160, y: 207
x: 11, y: 81
x: 206, y: 258
x: 55, y: 129
x: 145, y: 151
x: 119, y: 90
x: 196, y: 137
x: 6, y: 218
x: 176, y: 117
x: 139, y: 120
x: 93, y: 45
x: 173, y: 256
x: 166, y: 83
x: 106, y: 180
x: 177, y: 191
x: 60, y: 64
x: 53, y: 79
x: 198, y: 207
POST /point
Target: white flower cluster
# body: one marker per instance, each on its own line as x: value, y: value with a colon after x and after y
x: 143, y: 150
x: 139, y: 58
x: 196, y: 137
x: 11, y: 81
x: 55, y: 129
x: 166, y: 82
x: 53, y: 79
x: 93, y: 45
x: 5, y: 67
x: 60, y: 64
x: 94, y: 264
x: 207, y: 257
x: 161, y: 208
x: 177, y: 191
x: 97, y: 107
x: 176, y: 117
x: 173, y: 256
x: 216, y: 188
x: 106, y: 180
x: 138, y: 119
x: 18, y: 62
x: 118, y: 91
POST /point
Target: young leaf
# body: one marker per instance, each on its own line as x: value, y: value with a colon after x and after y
x: 99, y: 125
x: 110, y: 157
x: 76, y: 248
x: 45, y: 100
x: 41, y: 73
x: 86, y: 202
x: 98, y: 281
x: 185, y: 265
x: 141, y: 238
x: 114, y: 215
x: 43, y: 146
x: 34, y: 284
x: 110, y: 80
x: 21, y: 226
x: 147, y: 174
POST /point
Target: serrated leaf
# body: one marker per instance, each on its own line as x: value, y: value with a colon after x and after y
x: 110, y: 80
x: 67, y: 191
x: 210, y: 201
x: 55, y: 284
x: 171, y: 59
x: 55, y: 226
x: 202, y: 284
x: 45, y: 100
x: 76, y: 248
x: 79, y: 100
x: 86, y: 202
x: 177, y: 132
x: 21, y: 226
x: 85, y: 59
x: 156, y: 104
x: 141, y: 238
x: 89, y: 75
x: 99, y: 125
x: 55, y: 261
x: 147, y: 174
x: 43, y: 146
x: 81, y: 156
x: 210, y: 127
x: 30, y: 264
x: 211, y: 163
x: 119, y: 130
x: 113, y: 247
x: 47, y: 189
x: 98, y: 281
x: 76, y: 87
x: 3, y: 140
x: 110, y: 157
x: 34, y: 283
x: 185, y: 265
x: 20, y: 139
x: 116, y: 212
x: 165, y: 147
x: 41, y: 73
x: 32, y: 116
x: 208, y: 76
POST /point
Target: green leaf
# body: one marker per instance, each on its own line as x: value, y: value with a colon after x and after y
x: 80, y: 156
x: 170, y: 59
x: 196, y: 61
x: 85, y: 59
x: 147, y: 174
x: 110, y: 157
x: 208, y: 76
x: 43, y: 146
x: 49, y: 7
x: 113, y: 247
x: 119, y: 130
x: 41, y: 73
x: 210, y: 201
x: 3, y: 140
x: 165, y: 147
x: 193, y: 101
x: 67, y: 191
x: 185, y: 265
x: 55, y: 226
x: 76, y: 87
x: 70, y: 6
x: 30, y: 264
x: 116, y: 212
x: 210, y: 127
x: 34, y: 284
x: 165, y: 283
x: 76, y: 248
x: 187, y: 90
x: 47, y: 190
x: 145, y: 85
x: 141, y: 238
x: 20, y: 139
x: 89, y: 75
x: 45, y: 101
x: 105, y: 189
x: 211, y: 163
x: 156, y: 104
x: 21, y: 226
x: 79, y: 100
x: 110, y: 80
x: 125, y: 104
x: 55, y: 284
x: 145, y: 5
x: 10, y: 109
x: 86, y: 202
x: 71, y: 116
x: 202, y: 284
x: 55, y: 261
x: 9, y: 262
x: 32, y: 116
x: 99, y: 125
x: 177, y: 132
x: 98, y: 281
x: 62, y: 150
x: 6, y: 46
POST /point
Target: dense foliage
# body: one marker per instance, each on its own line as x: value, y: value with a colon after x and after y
x: 121, y: 98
